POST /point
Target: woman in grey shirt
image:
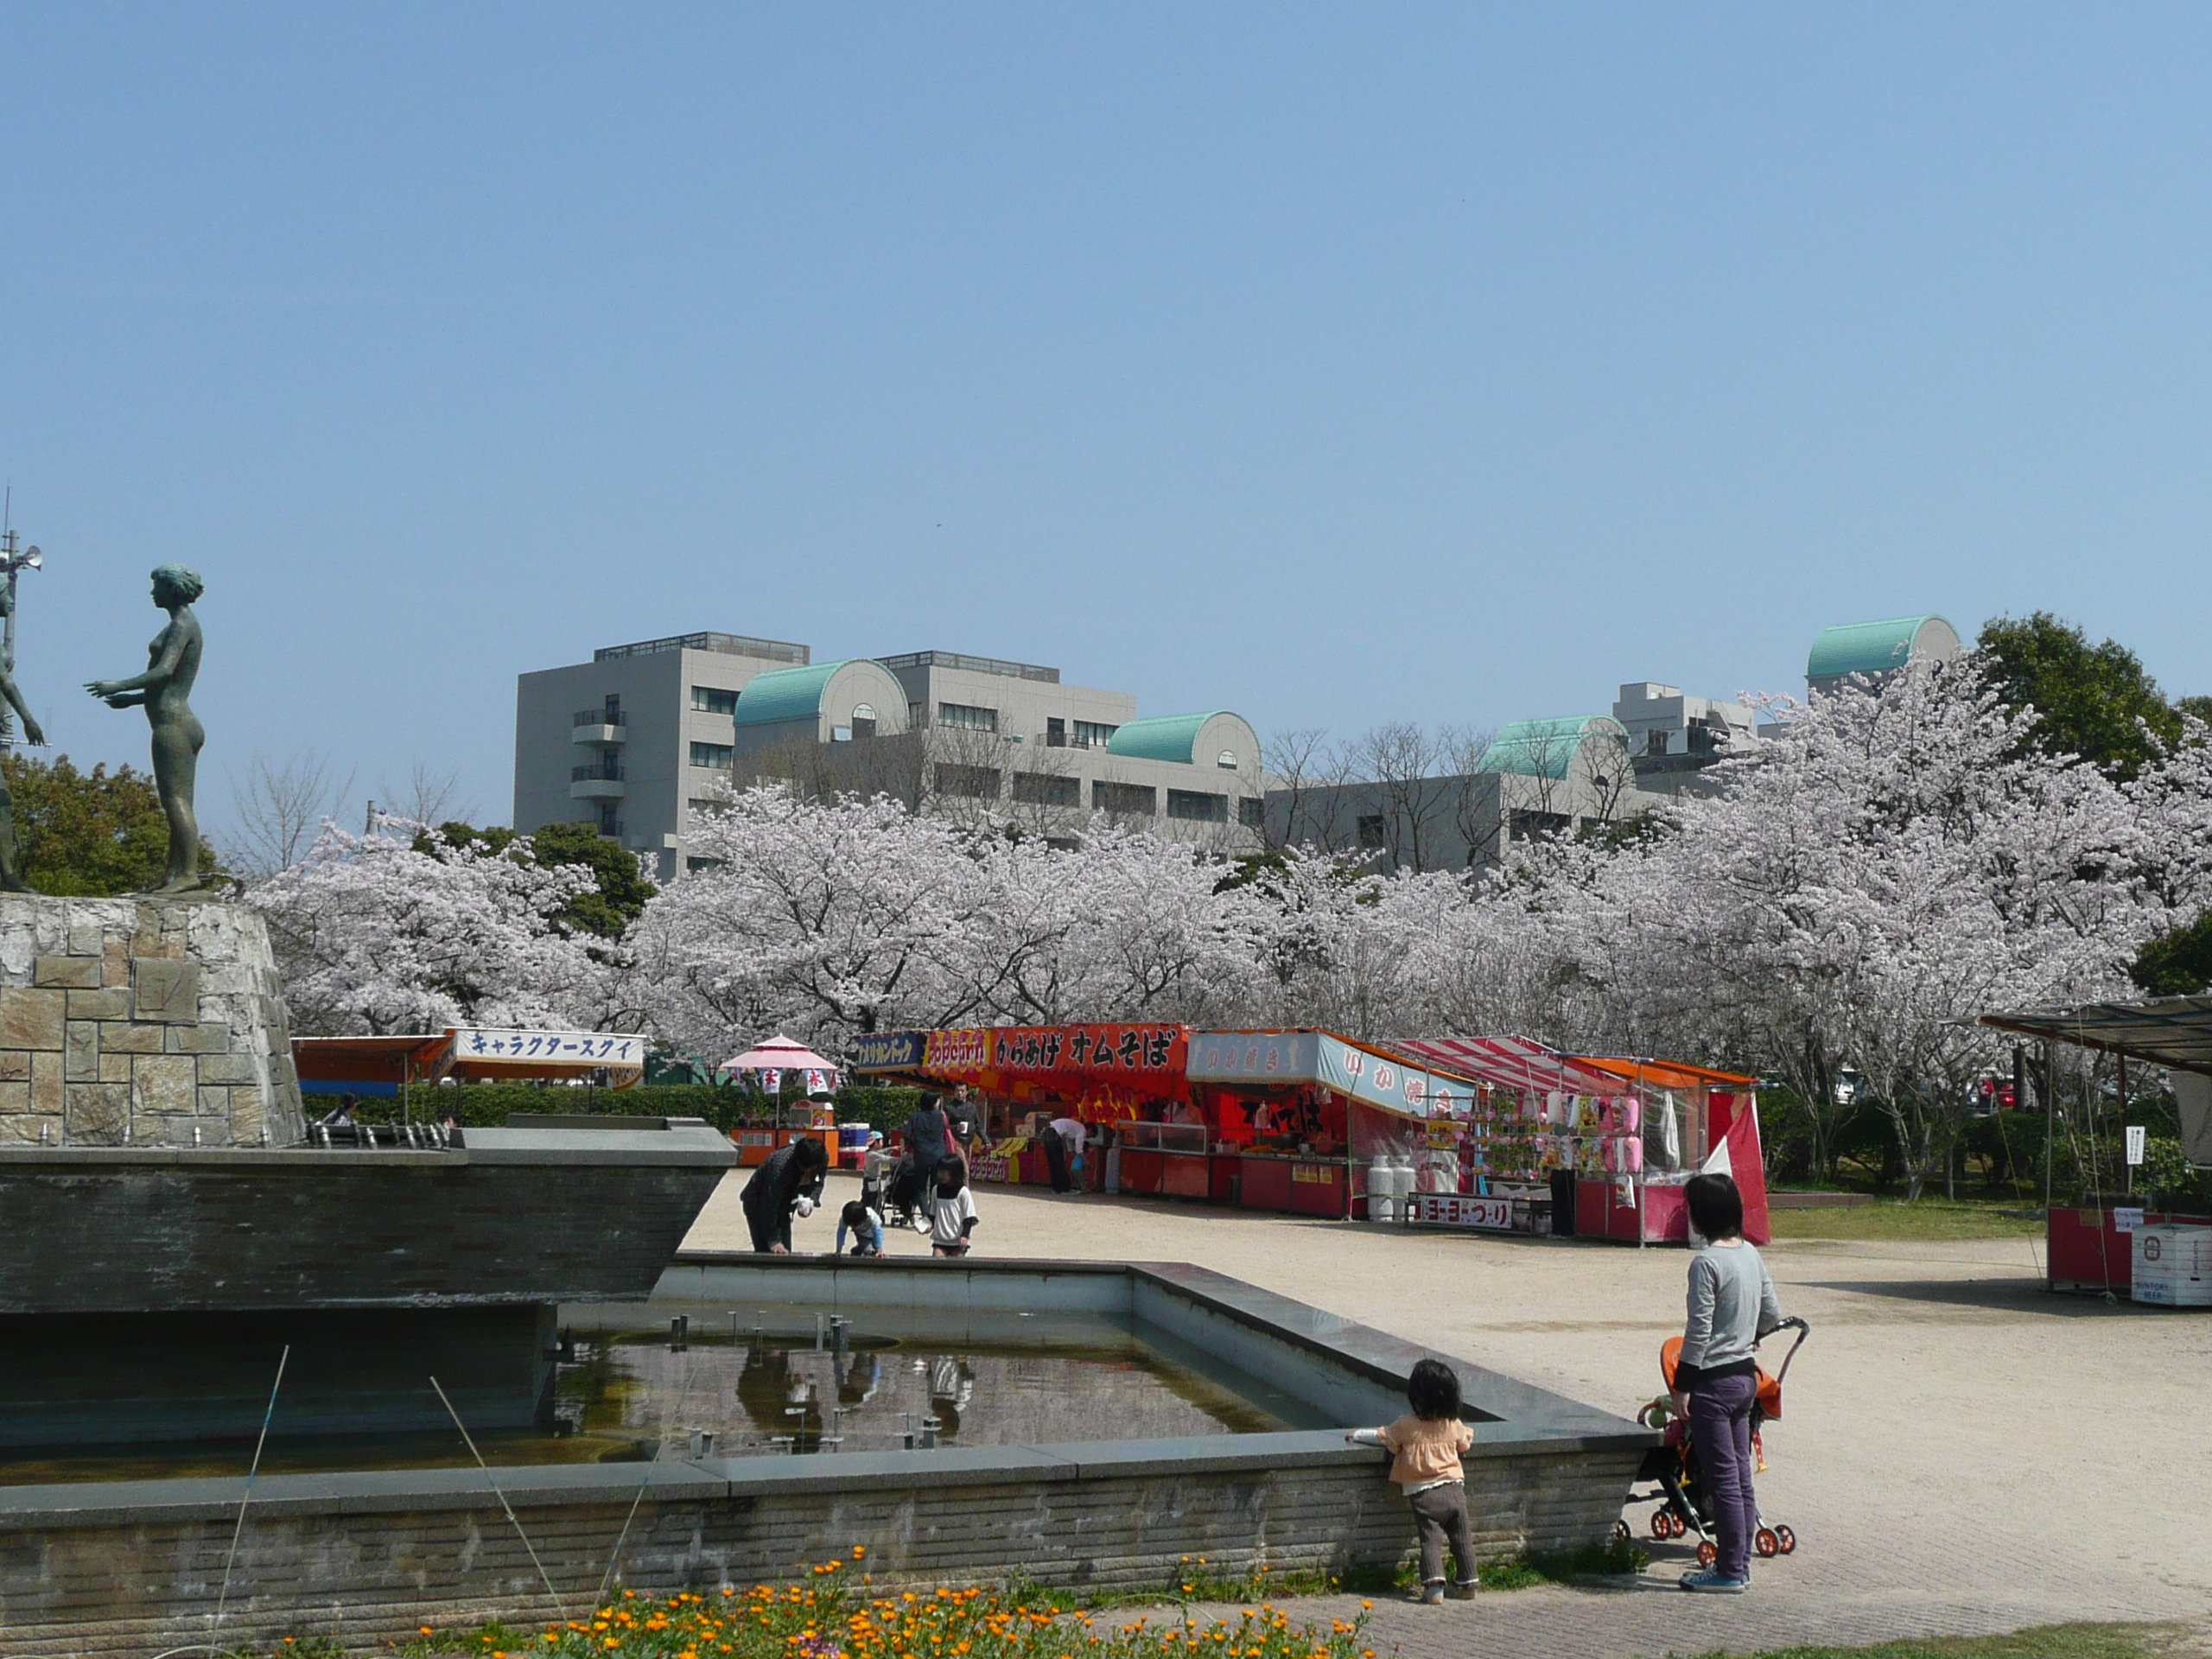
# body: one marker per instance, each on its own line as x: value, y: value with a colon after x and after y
x: 1731, y: 1306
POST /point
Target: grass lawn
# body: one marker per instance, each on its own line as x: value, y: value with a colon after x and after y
x: 2048, y: 1642
x: 1927, y: 1219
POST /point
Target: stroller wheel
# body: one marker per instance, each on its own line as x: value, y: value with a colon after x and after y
x: 1707, y: 1554
x: 1676, y: 1526
x: 1621, y: 1534
x: 1663, y: 1523
x: 1767, y: 1542
x: 1786, y: 1540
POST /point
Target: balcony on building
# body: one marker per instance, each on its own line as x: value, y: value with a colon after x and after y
x: 604, y: 726
x: 602, y: 780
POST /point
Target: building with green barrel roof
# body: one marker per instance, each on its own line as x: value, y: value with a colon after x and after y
x: 1873, y: 650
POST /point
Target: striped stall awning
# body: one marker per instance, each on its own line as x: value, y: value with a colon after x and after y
x: 1510, y: 1063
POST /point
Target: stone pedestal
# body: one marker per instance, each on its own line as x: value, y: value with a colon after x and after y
x: 132, y: 1022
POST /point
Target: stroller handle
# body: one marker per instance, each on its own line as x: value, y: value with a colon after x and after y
x: 1803, y: 1331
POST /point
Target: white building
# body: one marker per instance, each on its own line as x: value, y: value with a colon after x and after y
x: 639, y: 740
x: 1672, y: 738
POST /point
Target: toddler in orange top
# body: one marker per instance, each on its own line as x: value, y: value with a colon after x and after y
x: 1425, y: 1446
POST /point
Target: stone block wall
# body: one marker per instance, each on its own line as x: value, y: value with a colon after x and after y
x: 128, y: 1022
x: 364, y: 1559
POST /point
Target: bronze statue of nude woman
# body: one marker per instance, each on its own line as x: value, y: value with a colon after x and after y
x: 165, y: 689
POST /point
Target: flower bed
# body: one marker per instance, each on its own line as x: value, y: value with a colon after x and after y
x: 834, y: 1618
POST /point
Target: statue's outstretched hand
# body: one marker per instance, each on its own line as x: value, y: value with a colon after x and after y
x: 33, y: 732
x: 101, y: 689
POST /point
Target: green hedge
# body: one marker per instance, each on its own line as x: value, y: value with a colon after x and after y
x: 486, y: 1105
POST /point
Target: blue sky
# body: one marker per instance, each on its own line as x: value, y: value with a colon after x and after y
x: 1334, y: 365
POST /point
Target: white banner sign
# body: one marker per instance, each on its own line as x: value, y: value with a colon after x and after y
x: 1453, y: 1210
x: 580, y: 1048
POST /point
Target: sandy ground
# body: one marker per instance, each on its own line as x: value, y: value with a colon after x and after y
x: 1962, y: 1452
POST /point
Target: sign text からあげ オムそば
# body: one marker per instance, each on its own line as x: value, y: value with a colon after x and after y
x: 1120, y: 1063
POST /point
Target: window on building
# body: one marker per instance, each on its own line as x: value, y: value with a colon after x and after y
x: 1252, y: 812
x: 1093, y: 735
x: 1654, y: 742
x: 1195, y: 806
x: 1374, y: 830
x: 1047, y: 789
x: 967, y: 782
x: 702, y: 808
x: 1227, y: 761
x: 863, y: 721
x: 1056, y: 733
x: 966, y: 717
x: 1529, y: 825
x: 717, y: 755
x: 1133, y: 799
x: 696, y: 865
x: 712, y: 700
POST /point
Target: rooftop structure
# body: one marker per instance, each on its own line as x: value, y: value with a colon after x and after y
x: 733, y: 644
x: 1875, y: 649
x: 1544, y: 748
x: 1673, y: 738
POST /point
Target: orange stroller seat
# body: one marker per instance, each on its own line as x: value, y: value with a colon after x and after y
x: 1770, y: 1396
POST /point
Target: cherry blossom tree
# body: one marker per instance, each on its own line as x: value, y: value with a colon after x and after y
x: 397, y: 931
x: 1861, y: 890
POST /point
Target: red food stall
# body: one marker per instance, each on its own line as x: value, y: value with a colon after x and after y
x: 1310, y: 1112
x: 1126, y: 1081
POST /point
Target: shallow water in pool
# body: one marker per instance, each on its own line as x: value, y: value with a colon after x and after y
x: 756, y: 1383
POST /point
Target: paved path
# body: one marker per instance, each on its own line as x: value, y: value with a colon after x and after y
x: 1962, y: 1452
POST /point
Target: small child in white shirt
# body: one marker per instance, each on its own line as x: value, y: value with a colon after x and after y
x: 951, y: 1209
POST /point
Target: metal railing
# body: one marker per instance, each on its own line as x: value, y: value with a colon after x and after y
x: 601, y: 717
x: 612, y: 770
x: 973, y: 664
x: 730, y: 645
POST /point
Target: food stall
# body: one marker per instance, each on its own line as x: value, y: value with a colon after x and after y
x: 1310, y: 1113
x: 1695, y: 1121
x: 1594, y: 1148
x: 2094, y: 1239
x: 768, y: 1064
x: 1125, y: 1081
x: 396, y: 1066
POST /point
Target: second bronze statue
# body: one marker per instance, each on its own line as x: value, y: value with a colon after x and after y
x: 165, y: 691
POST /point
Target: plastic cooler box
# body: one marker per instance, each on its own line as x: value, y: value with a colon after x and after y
x: 2172, y: 1266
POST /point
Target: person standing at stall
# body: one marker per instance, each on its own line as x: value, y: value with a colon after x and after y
x: 966, y: 1119
x: 1064, y: 1138
x: 1731, y: 1306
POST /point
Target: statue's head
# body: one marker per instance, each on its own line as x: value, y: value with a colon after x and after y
x: 177, y: 584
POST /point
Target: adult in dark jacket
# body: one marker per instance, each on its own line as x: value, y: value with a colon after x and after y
x: 929, y: 1133
x: 792, y: 1174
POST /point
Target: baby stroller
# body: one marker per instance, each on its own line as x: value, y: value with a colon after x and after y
x: 893, y: 1188
x: 1679, y: 1482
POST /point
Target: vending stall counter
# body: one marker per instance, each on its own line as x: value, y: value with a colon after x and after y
x: 2090, y: 1234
